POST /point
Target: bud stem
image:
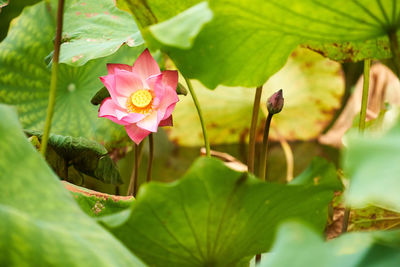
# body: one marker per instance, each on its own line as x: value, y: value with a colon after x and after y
x: 133, y: 184
x: 199, y: 112
x: 253, y: 129
x: 263, y: 158
x: 151, y: 156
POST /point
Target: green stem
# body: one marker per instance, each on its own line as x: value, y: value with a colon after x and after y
x: 364, y: 101
x: 253, y: 130
x: 151, y: 156
x: 394, y: 47
x: 361, y: 126
x: 264, y: 149
x: 199, y: 112
x: 133, y: 184
x: 54, y: 75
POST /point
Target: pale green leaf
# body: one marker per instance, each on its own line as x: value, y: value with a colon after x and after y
x: 312, y: 88
x: 371, y: 163
x: 298, y: 246
x: 191, y: 21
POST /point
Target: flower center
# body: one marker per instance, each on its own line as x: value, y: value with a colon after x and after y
x: 140, y: 102
x: 141, y: 98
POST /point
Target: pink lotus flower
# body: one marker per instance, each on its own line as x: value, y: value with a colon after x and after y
x: 142, y: 97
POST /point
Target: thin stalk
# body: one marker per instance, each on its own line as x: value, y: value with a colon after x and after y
x: 289, y: 159
x: 364, y: 101
x: 394, y: 47
x: 264, y: 149
x: 151, y: 156
x: 199, y: 112
x: 253, y: 129
x: 361, y: 126
x: 54, y: 76
x: 133, y: 184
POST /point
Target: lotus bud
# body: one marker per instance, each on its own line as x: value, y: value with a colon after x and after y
x: 275, y: 102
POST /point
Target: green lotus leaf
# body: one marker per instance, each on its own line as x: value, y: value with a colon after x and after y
x: 94, y: 29
x: 25, y: 80
x: 215, y: 216
x: 97, y: 204
x: 87, y: 156
x: 245, y: 44
x: 40, y: 223
x: 320, y: 172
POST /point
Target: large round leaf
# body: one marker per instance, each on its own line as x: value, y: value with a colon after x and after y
x: 312, y: 88
x: 25, y: 80
x: 40, y: 223
x: 94, y: 29
x: 246, y: 43
x: 215, y: 216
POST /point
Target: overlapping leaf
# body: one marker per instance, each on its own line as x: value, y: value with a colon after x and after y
x: 40, y: 223
x: 87, y: 156
x: 97, y: 204
x: 12, y: 10
x: 373, y: 169
x: 216, y: 216
x: 94, y: 29
x: 299, y: 246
